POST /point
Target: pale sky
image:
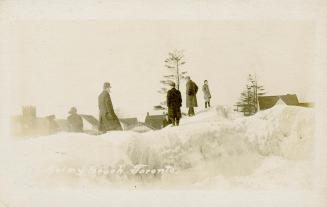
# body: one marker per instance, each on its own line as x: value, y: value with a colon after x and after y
x: 59, y: 64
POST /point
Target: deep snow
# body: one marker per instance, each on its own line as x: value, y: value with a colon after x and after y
x: 217, y: 149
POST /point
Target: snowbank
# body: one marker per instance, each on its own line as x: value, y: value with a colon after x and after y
x: 215, y: 148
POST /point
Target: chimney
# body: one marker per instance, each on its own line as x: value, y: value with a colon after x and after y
x: 29, y: 111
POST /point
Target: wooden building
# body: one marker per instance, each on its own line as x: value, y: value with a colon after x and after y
x: 267, y: 102
x: 155, y: 121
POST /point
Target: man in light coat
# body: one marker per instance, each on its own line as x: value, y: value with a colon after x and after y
x: 191, y: 101
x: 108, y: 118
x: 206, y: 94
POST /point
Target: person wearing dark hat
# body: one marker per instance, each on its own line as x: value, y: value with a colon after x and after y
x: 75, y: 121
x: 174, y: 103
x: 107, y: 118
x: 191, y: 101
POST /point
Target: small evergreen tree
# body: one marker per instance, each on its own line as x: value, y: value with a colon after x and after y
x: 248, y: 103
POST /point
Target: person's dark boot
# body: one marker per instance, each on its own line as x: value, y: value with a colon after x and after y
x: 192, y: 113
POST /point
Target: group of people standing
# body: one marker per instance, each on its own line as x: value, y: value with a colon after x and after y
x: 174, y: 100
x: 109, y: 121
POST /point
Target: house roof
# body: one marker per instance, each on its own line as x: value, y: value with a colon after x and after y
x: 306, y: 104
x: 129, y: 121
x: 159, y: 107
x: 266, y: 102
x: 142, y: 127
x: 91, y: 119
x: 154, y: 121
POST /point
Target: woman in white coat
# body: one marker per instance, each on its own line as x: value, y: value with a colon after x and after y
x: 206, y: 93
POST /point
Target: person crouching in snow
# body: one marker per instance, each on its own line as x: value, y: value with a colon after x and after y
x: 75, y: 121
x: 174, y: 103
x: 206, y: 94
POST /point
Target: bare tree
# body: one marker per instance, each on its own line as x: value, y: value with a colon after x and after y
x: 257, y: 91
x: 173, y: 63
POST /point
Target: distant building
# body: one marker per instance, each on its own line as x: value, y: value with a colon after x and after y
x: 267, y: 102
x: 63, y: 125
x: 28, y: 124
x: 159, y: 107
x: 91, y: 123
x: 141, y: 128
x: 129, y: 123
x: 307, y: 104
x: 155, y: 121
x: 51, y: 126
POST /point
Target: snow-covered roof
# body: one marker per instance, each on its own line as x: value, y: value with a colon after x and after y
x: 266, y: 102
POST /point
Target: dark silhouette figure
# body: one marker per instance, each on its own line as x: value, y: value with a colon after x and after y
x: 174, y: 103
x: 75, y: 121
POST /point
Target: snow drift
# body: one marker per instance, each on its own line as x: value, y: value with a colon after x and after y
x: 216, y: 148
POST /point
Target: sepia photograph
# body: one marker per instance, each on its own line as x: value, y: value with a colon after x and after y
x: 194, y: 103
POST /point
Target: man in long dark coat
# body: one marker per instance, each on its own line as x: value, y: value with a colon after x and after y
x: 174, y: 103
x: 108, y: 119
x: 191, y: 101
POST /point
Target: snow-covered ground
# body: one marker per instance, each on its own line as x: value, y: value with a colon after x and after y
x: 217, y: 149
